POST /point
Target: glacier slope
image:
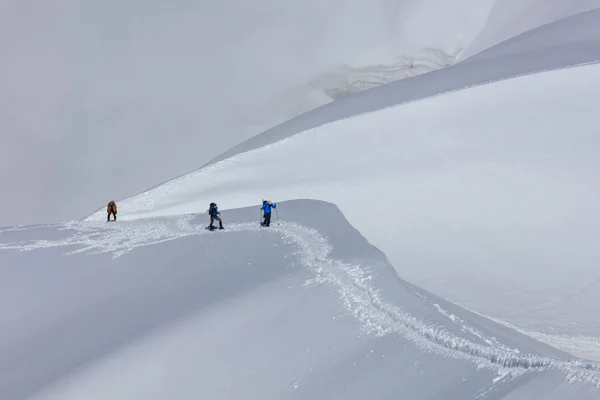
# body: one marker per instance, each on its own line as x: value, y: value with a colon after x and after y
x: 568, y: 42
x: 509, y: 18
x: 485, y: 196
x: 307, y: 309
x: 90, y: 94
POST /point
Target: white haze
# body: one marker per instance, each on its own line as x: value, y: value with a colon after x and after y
x: 100, y: 100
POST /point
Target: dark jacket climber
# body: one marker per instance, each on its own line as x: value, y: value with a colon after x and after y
x: 111, y: 208
x: 214, y: 213
x: 266, y: 208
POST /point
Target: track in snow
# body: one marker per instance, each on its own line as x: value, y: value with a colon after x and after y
x: 352, y: 282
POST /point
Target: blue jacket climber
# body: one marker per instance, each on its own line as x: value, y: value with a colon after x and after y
x: 267, y: 206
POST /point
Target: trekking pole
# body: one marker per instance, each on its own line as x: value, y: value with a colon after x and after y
x: 260, y: 213
x: 276, y: 213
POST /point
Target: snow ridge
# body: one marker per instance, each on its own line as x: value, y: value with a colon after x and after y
x: 379, y: 317
x: 159, y: 200
x: 353, y: 282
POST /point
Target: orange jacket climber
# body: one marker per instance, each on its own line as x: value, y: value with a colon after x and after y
x: 111, y: 208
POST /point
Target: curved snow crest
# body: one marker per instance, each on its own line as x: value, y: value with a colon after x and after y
x: 165, y: 199
x: 362, y: 300
x: 570, y: 344
x: 510, y: 18
x: 353, y: 282
x: 342, y: 81
x: 160, y: 200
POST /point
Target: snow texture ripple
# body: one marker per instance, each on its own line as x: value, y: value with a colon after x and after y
x: 353, y: 283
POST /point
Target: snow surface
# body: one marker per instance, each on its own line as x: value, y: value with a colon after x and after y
x: 568, y: 42
x: 509, y: 18
x: 477, y: 182
x: 308, y: 308
x: 485, y: 196
x: 98, y: 101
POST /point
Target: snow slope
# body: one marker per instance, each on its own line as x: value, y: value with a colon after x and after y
x: 509, y: 18
x: 485, y: 196
x: 477, y: 182
x: 568, y: 42
x: 162, y: 308
x: 98, y: 102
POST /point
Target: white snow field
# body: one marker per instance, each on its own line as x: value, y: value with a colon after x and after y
x: 485, y: 194
x: 162, y: 308
x: 434, y: 236
x: 90, y: 94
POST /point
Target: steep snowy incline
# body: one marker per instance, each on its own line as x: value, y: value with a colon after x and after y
x: 509, y: 18
x: 568, y: 42
x: 487, y: 196
x: 192, y: 79
x: 157, y: 78
x: 337, y: 83
x: 305, y: 309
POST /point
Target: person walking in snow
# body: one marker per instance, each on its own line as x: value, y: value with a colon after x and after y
x: 214, y: 213
x: 111, y: 208
x: 266, y: 208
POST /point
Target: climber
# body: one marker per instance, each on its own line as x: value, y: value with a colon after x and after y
x: 266, y: 208
x: 111, y: 208
x: 214, y: 213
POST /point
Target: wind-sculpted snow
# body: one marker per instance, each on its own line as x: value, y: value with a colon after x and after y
x: 531, y: 52
x: 337, y: 83
x: 509, y: 18
x: 362, y: 300
x: 366, y: 286
x: 101, y: 92
x: 172, y: 78
x: 475, y: 207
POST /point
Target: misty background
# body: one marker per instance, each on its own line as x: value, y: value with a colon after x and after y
x: 101, y: 100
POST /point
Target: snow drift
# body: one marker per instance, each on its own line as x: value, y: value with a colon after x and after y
x: 462, y: 191
x: 476, y: 182
x: 305, y: 309
x: 509, y: 18
x: 90, y: 94
x: 98, y: 101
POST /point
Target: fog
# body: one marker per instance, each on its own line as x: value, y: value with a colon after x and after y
x: 101, y: 100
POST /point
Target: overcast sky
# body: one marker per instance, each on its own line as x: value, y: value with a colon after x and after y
x: 100, y: 100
